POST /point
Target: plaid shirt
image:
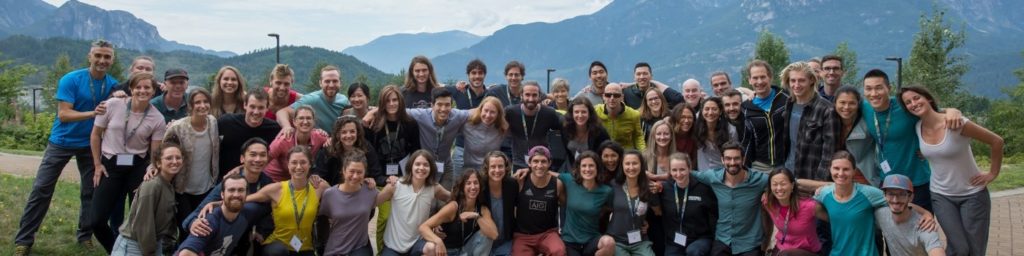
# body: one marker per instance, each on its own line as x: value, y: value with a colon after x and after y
x: 817, y: 138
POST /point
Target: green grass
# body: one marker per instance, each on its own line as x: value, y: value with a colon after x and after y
x: 21, y: 152
x: 1010, y: 177
x: 57, y: 234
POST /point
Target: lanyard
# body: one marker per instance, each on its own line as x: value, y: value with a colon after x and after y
x: 682, y: 207
x: 127, y: 115
x: 629, y: 203
x: 533, y: 128
x: 387, y: 134
x: 440, y: 135
x: 470, y: 97
x: 295, y: 206
x: 882, y: 135
x: 785, y: 228
x: 92, y: 90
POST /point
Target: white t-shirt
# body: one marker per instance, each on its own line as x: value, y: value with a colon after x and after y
x: 905, y: 239
x: 952, y: 163
x: 408, y: 210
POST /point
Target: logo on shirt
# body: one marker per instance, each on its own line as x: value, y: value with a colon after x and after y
x: 537, y: 205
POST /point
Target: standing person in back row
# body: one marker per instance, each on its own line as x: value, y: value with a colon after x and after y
x: 510, y: 93
x: 172, y: 105
x: 327, y: 102
x: 622, y: 122
x: 813, y: 124
x: 419, y: 82
x: 280, y: 90
x: 529, y: 123
x: 237, y: 128
x: 594, y: 92
x: 898, y: 148
x: 764, y: 142
x: 80, y: 98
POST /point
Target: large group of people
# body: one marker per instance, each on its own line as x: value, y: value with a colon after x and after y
x: 806, y: 166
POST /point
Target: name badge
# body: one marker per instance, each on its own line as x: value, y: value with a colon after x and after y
x: 440, y: 168
x: 296, y: 243
x: 633, y: 236
x: 885, y: 166
x: 680, y: 239
x: 392, y: 169
x: 125, y: 159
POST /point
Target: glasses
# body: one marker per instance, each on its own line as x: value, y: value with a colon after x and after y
x: 613, y: 95
x: 832, y: 69
x: 897, y: 194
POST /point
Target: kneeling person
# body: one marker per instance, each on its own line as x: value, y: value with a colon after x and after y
x: 228, y: 223
x: 899, y: 224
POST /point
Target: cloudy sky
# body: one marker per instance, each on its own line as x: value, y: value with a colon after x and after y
x: 241, y: 26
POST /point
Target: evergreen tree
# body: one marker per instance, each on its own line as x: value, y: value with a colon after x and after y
x: 61, y: 67
x: 932, y: 61
x: 770, y: 48
x: 12, y: 77
x: 1005, y: 115
x: 849, y: 63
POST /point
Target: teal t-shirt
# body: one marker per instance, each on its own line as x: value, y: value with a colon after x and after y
x: 854, y: 219
x: 326, y: 112
x: 739, y: 208
x: 582, y: 210
x: 901, y: 147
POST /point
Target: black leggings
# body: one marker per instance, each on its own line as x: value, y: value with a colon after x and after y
x: 120, y: 182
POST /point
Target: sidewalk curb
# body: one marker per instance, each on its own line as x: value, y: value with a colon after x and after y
x: 1009, y: 192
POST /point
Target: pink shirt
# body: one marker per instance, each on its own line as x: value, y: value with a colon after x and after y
x: 277, y: 168
x: 151, y: 127
x: 801, y: 232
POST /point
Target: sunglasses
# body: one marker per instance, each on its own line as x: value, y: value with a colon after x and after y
x: 613, y: 95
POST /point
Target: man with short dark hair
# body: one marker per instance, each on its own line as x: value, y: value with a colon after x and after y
x: 510, y: 93
x: 831, y: 75
x: 236, y: 128
x: 439, y: 125
x: 80, y: 98
x: 731, y: 101
x: 899, y: 224
x: 327, y: 103
x: 621, y: 121
x: 227, y: 224
x: 172, y: 105
x: 253, y: 160
x: 738, y: 190
x: 634, y: 94
x: 529, y: 123
x: 466, y: 99
x: 598, y: 75
x: 721, y: 83
x: 764, y: 142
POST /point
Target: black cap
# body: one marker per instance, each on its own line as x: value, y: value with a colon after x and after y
x: 175, y: 73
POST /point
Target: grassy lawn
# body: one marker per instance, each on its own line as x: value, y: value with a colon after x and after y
x: 21, y: 152
x: 1010, y: 177
x: 57, y: 234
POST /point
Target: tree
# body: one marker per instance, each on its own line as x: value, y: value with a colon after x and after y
x: 12, y: 77
x: 849, y: 63
x: 770, y: 48
x: 314, y: 77
x: 932, y: 61
x: 1005, y: 115
x: 60, y: 67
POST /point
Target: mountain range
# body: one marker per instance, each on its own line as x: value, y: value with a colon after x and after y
x: 692, y: 38
x: 391, y: 53
x: 78, y: 20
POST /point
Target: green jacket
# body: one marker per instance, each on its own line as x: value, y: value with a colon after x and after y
x: 625, y: 128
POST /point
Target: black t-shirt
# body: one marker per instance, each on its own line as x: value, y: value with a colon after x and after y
x: 539, y: 206
x: 404, y: 139
x: 527, y: 132
x: 415, y: 99
x: 234, y: 132
x: 701, y: 210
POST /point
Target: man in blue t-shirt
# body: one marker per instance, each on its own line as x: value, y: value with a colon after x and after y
x: 80, y: 95
x: 227, y: 224
x: 892, y: 126
x: 327, y: 103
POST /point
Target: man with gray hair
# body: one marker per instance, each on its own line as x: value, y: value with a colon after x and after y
x: 81, y: 96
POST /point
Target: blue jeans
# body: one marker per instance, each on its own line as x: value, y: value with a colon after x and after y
x: 700, y: 247
x: 55, y: 157
x: 126, y: 246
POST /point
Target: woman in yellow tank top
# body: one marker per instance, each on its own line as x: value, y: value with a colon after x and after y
x: 294, y: 205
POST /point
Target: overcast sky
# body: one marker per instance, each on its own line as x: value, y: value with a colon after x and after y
x: 241, y: 26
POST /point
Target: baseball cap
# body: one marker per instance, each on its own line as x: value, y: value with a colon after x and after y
x: 898, y: 181
x: 175, y: 73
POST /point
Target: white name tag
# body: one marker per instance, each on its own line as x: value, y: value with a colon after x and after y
x: 633, y: 236
x: 680, y: 239
x: 885, y: 166
x: 296, y: 243
x: 125, y: 159
x: 392, y: 169
x: 440, y: 167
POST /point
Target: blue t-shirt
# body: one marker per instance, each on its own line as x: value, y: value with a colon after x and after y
x: 325, y: 112
x: 74, y: 88
x: 225, y: 234
x: 901, y: 147
x: 582, y: 210
x: 852, y: 221
x: 739, y: 208
x: 795, y: 115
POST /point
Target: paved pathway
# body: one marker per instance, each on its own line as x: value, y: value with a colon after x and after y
x: 1006, y: 236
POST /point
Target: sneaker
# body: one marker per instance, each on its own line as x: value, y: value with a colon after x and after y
x: 22, y: 250
x: 86, y: 243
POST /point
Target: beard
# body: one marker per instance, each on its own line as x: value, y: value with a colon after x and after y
x: 234, y: 205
